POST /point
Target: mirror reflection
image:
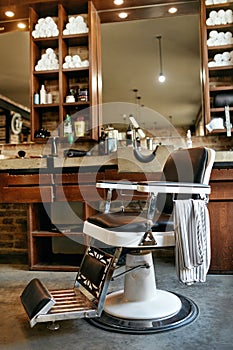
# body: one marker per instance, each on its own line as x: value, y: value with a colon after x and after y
x: 130, y: 57
x: 130, y: 61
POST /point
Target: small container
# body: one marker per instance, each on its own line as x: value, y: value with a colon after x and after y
x: 79, y: 127
x: 49, y: 98
x: 83, y: 95
x: 43, y: 95
x: 36, y: 98
x: 70, y: 99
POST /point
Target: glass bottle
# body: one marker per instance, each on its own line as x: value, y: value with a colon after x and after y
x: 68, y: 129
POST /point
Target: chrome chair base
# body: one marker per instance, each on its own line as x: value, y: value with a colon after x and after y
x: 187, y: 314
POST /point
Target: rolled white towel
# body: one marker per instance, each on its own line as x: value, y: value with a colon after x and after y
x: 226, y: 56
x: 71, y: 64
x: 68, y: 59
x: 49, y: 51
x: 213, y: 34
x: 72, y: 19
x: 41, y: 20
x: 211, y: 42
x: 213, y: 14
x: 209, y: 22
x: 76, y: 58
x: 65, y: 65
x: 211, y: 64
x: 217, y: 21
x: 85, y: 63
x: 218, y: 57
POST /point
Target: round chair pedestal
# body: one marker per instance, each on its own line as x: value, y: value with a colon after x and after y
x: 140, y: 307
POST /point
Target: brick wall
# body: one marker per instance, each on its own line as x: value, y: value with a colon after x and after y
x: 13, y: 233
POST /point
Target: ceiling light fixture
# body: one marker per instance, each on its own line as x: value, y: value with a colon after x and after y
x: 161, y: 77
x: 123, y: 15
x: 172, y: 10
x: 118, y: 2
x: 21, y: 25
x: 9, y: 13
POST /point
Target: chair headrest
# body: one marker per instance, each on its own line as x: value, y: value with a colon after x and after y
x: 184, y: 165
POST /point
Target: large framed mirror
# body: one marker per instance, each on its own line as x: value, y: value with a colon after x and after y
x: 131, y: 61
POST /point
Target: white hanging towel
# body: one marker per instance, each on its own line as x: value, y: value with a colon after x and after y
x: 192, y: 234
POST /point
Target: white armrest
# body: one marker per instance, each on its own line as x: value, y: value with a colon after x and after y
x: 173, y: 187
x: 117, y: 185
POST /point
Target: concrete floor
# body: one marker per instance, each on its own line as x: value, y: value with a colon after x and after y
x: 212, y: 330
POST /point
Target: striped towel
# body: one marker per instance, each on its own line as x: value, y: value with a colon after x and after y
x: 192, y: 233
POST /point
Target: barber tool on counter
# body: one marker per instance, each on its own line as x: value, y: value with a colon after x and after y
x: 137, y: 131
x: 107, y: 141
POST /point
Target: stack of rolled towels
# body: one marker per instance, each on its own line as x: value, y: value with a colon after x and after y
x: 45, y: 28
x: 48, y: 61
x: 219, y: 17
x: 219, y: 38
x: 74, y: 61
x: 75, y: 25
x: 222, y: 59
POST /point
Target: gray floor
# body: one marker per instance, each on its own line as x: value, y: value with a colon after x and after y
x: 212, y: 330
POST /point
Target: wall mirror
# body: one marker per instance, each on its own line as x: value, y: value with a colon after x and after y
x: 130, y: 56
x: 130, y: 60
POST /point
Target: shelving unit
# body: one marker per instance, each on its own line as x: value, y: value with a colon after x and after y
x: 50, y: 249
x: 60, y: 81
x: 217, y: 79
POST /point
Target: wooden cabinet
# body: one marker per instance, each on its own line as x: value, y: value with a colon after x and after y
x: 217, y: 54
x: 221, y: 222
x: 51, y: 53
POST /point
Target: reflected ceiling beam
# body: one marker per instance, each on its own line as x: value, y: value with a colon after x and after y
x: 148, y: 11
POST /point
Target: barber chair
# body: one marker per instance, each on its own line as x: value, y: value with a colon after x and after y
x: 140, y: 307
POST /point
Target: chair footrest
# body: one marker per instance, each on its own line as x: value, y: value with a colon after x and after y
x: 35, y: 298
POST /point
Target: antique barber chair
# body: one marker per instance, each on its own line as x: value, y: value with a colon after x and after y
x: 140, y: 307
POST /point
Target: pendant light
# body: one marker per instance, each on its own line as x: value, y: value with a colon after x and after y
x: 161, y: 77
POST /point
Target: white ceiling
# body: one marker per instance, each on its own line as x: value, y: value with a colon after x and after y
x: 130, y: 61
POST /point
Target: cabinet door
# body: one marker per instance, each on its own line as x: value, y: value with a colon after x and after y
x: 221, y: 236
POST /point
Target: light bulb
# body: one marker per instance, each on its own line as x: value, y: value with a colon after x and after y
x: 172, y: 10
x: 9, y: 13
x: 161, y: 78
x: 118, y: 2
x: 123, y: 15
x: 21, y: 25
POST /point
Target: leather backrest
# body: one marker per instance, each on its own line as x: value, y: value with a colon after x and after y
x: 184, y: 165
x: 96, y: 271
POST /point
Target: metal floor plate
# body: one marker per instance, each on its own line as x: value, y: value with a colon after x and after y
x: 187, y: 314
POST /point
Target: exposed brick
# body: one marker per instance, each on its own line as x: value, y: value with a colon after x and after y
x: 13, y: 229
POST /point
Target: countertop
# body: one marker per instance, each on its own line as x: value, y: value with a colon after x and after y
x: 123, y: 158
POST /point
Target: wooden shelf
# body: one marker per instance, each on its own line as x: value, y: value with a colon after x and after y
x: 60, y: 81
x: 219, y: 6
x: 224, y: 68
x: 221, y: 88
x: 222, y: 75
x: 220, y: 47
